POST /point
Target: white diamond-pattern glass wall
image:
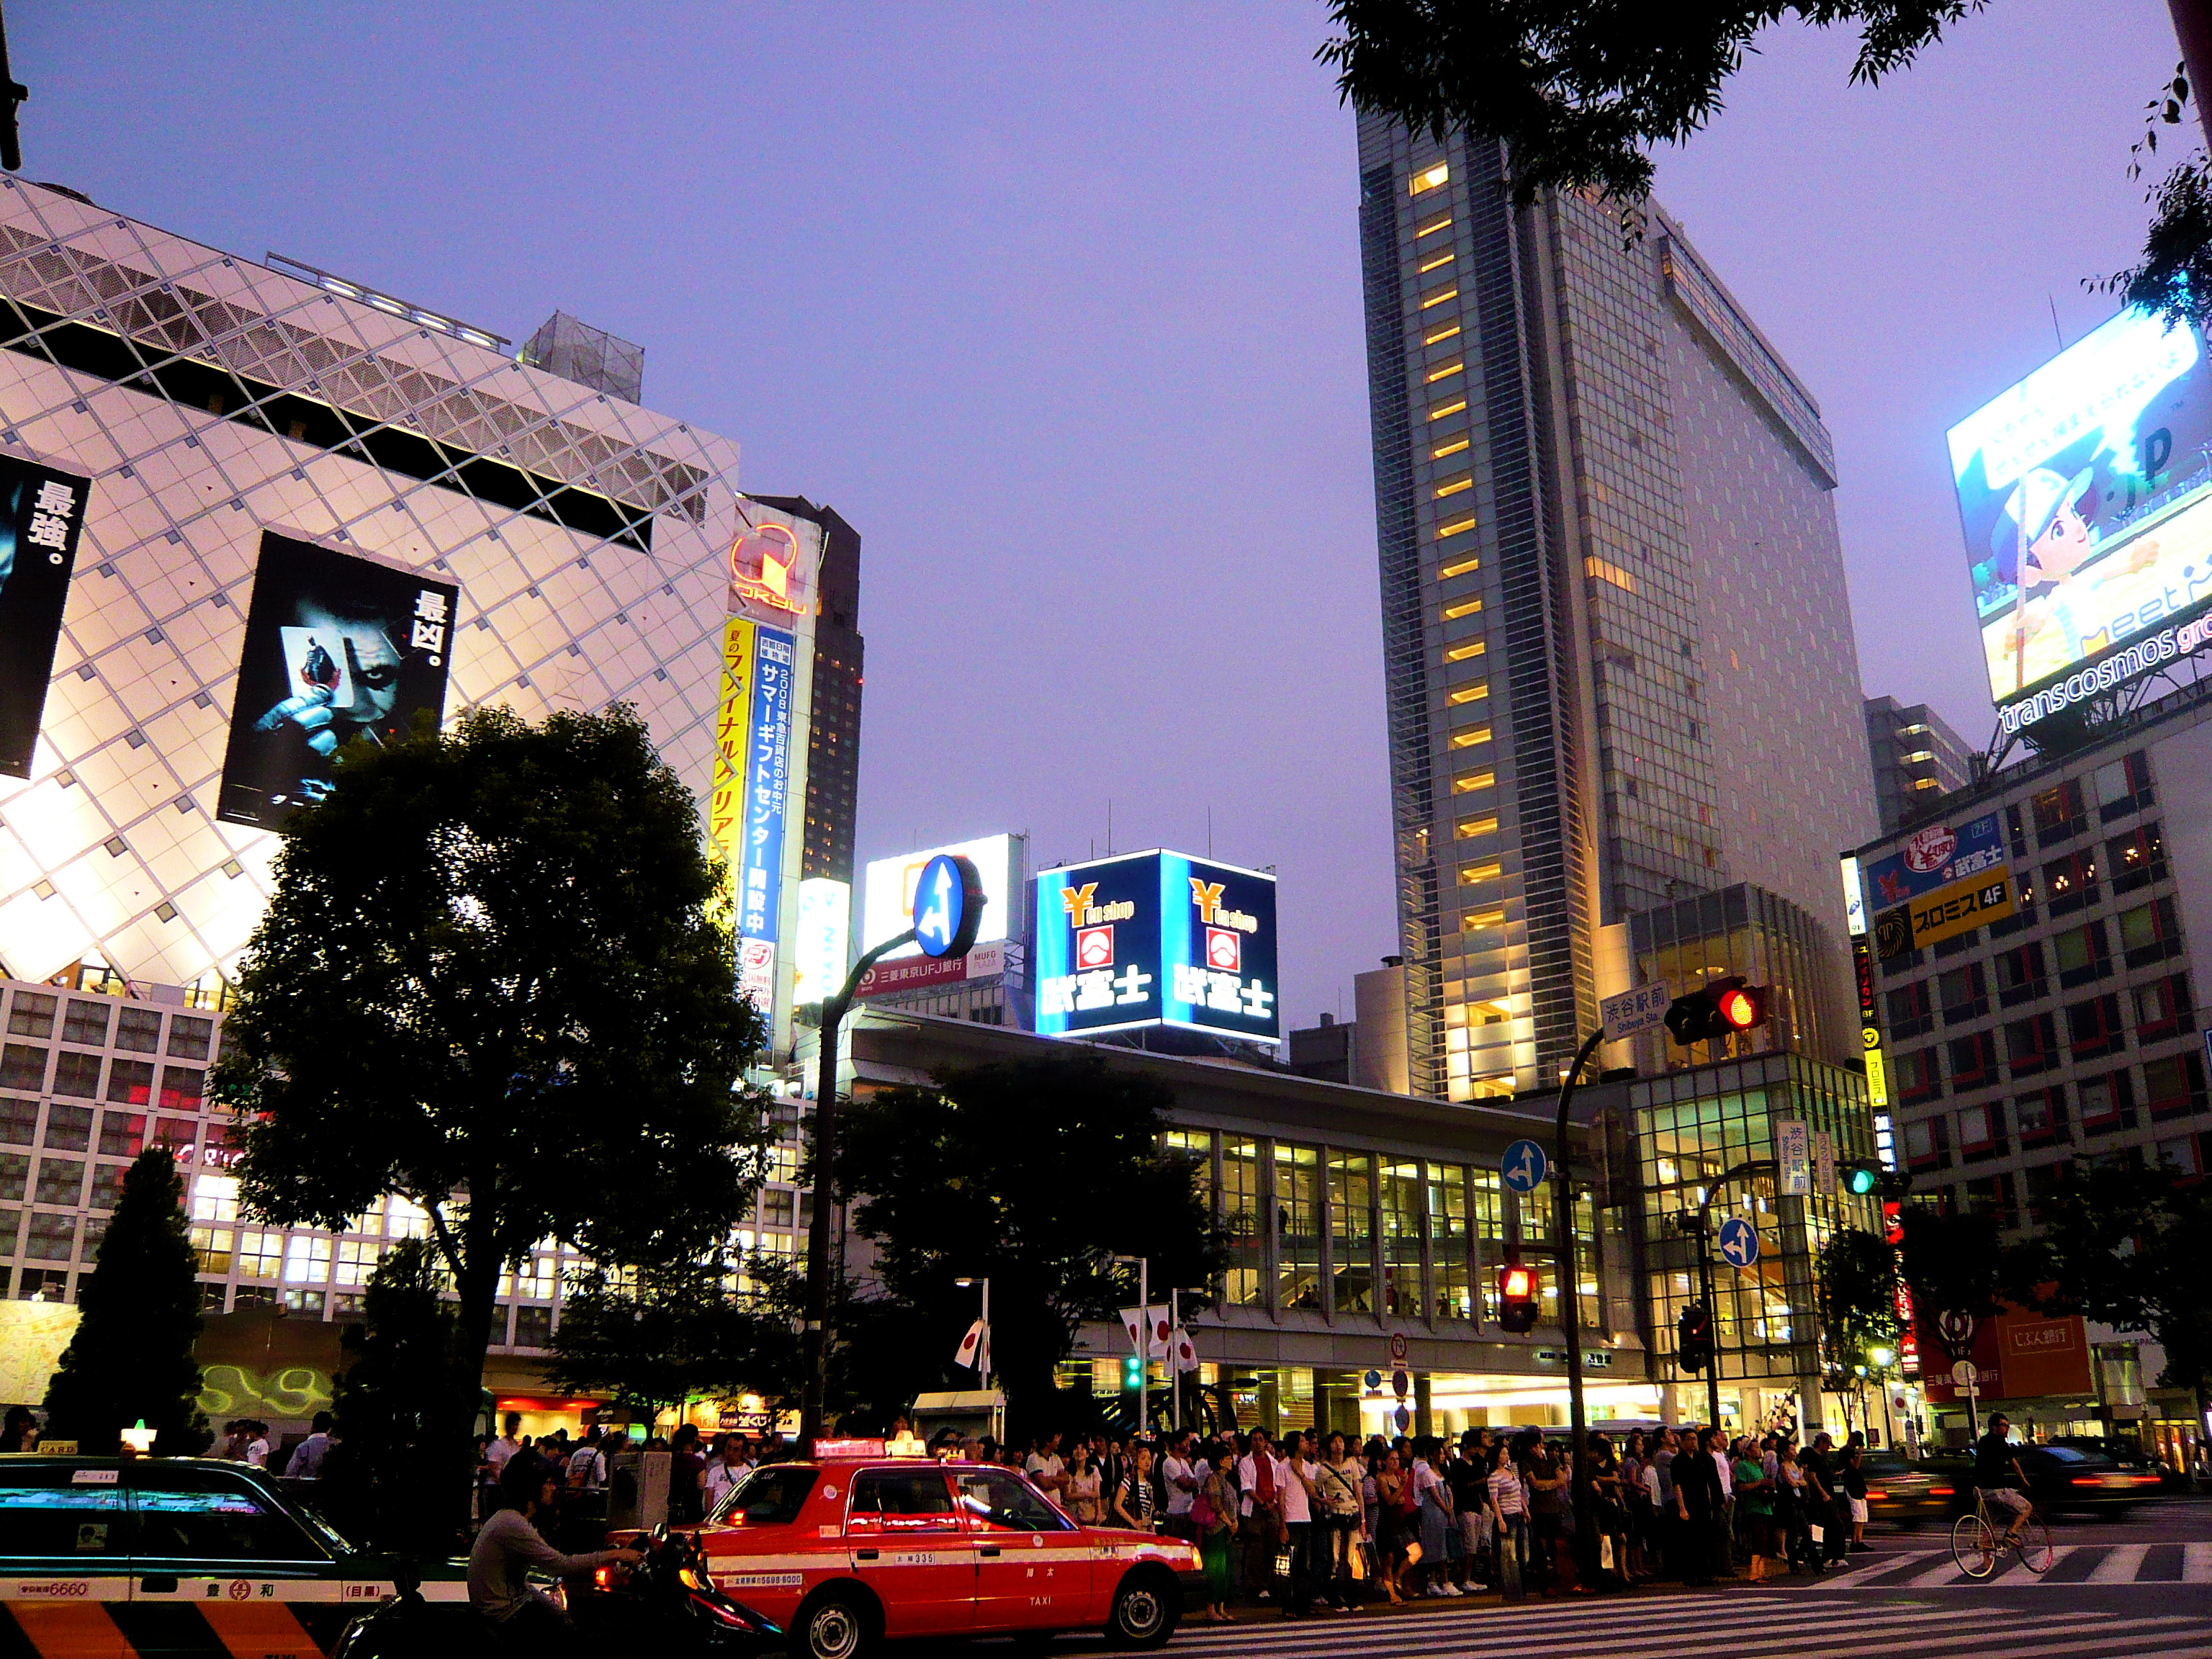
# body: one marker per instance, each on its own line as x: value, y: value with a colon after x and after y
x: 209, y: 397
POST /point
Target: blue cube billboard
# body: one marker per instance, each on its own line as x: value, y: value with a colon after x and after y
x: 1157, y: 938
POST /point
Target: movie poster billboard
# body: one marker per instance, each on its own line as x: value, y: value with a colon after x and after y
x: 338, y: 647
x: 2085, y: 494
x: 41, y: 516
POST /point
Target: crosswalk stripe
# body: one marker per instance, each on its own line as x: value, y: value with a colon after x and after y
x: 2196, y: 1563
x: 2121, y: 1566
x: 1625, y: 1627
x: 1929, y: 1635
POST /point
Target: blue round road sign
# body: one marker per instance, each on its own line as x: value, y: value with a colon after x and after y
x: 948, y: 906
x: 1373, y: 1379
x: 1525, y: 1166
x: 1739, y: 1241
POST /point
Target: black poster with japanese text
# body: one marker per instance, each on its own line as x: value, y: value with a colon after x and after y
x: 338, y: 647
x: 41, y: 515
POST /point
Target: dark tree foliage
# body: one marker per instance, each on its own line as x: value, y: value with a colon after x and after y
x: 1954, y: 1262
x: 401, y: 1369
x: 130, y: 1359
x: 492, y: 980
x: 2174, y: 277
x: 1857, y: 1299
x: 2129, y: 1248
x: 662, y: 1335
x: 1033, y: 1174
x: 1578, y: 89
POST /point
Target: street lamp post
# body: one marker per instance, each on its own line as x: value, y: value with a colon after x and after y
x: 1563, y: 1223
x: 948, y: 912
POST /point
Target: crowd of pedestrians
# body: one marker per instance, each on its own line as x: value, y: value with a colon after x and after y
x: 1319, y: 1522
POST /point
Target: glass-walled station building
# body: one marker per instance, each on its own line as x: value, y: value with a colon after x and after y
x: 1353, y: 1217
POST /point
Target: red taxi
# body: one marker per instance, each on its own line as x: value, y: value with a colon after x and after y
x: 854, y: 1547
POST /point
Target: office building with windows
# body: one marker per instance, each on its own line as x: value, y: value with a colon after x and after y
x: 1618, y: 665
x: 1917, y: 760
x: 2068, y: 1031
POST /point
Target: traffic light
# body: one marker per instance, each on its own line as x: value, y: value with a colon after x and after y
x: 1693, y: 1337
x: 1517, y: 1298
x: 1133, y: 1373
x: 1863, y: 1178
x: 1719, y: 1008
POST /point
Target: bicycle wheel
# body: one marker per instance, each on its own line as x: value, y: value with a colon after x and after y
x: 2032, y: 1540
x: 1973, y: 1547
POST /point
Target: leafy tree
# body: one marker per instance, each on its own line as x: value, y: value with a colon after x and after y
x: 1579, y: 88
x: 661, y: 1336
x: 2128, y: 1248
x: 492, y: 980
x: 130, y: 1359
x: 401, y: 1370
x: 1034, y: 1174
x: 1857, y: 1299
x: 1954, y: 1261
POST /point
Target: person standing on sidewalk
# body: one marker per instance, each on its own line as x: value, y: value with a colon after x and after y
x: 1260, y: 1512
x: 1337, y: 1482
x: 1509, y: 1520
x: 1295, y: 1478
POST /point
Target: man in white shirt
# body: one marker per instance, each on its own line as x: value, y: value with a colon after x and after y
x: 1260, y: 1505
x: 588, y: 1464
x: 506, y: 1446
x: 1045, y: 1467
x: 723, y: 1471
x: 1295, y: 1475
x: 1724, y: 1519
x: 257, y: 1449
x: 1183, y: 1477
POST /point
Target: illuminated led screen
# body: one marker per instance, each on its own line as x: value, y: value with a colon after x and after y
x: 2085, y: 493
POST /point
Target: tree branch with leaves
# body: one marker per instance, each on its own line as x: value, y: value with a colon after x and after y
x: 491, y: 980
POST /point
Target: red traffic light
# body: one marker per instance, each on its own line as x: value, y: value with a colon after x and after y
x: 1516, y: 1284
x: 1738, y: 1010
x: 1718, y: 1008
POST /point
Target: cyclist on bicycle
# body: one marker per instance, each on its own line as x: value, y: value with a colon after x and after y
x: 1997, y: 1475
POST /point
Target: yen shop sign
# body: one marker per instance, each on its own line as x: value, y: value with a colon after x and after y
x: 948, y: 906
x: 1739, y: 1241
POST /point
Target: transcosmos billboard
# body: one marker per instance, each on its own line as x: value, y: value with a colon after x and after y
x: 1157, y: 938
x: 2085, y: 493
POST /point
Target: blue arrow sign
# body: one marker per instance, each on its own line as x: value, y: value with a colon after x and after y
x: 1739, y: 1241
x: 1525, y: 1166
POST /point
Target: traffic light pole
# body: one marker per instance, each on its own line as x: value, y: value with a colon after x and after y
x: 1563, y: 1223
x: 814, y: 1335
x: 1704, y: 1236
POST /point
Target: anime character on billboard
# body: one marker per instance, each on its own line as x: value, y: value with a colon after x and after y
x: 337, y: 648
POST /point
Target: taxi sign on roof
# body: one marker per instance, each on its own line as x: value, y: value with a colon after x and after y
x: 849, y: 1448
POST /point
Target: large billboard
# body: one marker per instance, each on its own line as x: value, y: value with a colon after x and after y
x: 887, y: 896
x: 41, y: 515
x: 746, y: 812
x: 2085, y: 493
x: 337, y: 647
x: 1946, y: 880
x: 1157, y: 938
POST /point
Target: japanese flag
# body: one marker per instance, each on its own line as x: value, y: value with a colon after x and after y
x: 1185, y: 1354
x: 1148, y: 1328
x: 968, y: 1345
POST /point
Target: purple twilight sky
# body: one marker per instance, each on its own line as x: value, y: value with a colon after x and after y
x: 1061, y: 307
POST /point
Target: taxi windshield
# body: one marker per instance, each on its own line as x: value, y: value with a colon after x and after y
x: 769, y: 1496
x: 1002, y: 1499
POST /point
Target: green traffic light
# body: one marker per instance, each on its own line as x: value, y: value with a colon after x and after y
x: 1861, y: 1181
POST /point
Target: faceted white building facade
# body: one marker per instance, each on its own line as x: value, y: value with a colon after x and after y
x: 596, y: 547
x: 208, y: 397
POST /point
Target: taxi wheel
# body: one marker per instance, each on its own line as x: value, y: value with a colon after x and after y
x: 1145, y: 1608
x: 835, y: 1625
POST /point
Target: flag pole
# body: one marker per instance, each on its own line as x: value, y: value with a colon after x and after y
x: 1143, y: 1351
x: 1175, y: 1362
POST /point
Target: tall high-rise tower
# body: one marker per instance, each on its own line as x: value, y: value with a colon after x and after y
x: 1618, y: 661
